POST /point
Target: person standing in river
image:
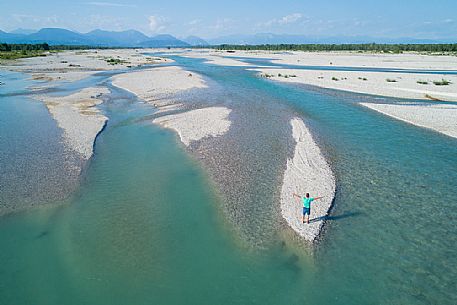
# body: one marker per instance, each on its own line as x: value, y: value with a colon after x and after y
x: 306, y: 205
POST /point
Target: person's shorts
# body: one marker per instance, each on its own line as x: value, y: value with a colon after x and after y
x: 306, y: 211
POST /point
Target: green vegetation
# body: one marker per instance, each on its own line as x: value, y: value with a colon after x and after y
x: 15, y: 51
x: 368, y: 47
x: 422, y: 82
x: 286, y: 75
x: 443, y: 82
x: 335, y: 79
x: 266, y: 75
x: 115, y: 61
x: 363, y: 78
x: 21, y: 54
x: 391, y: 80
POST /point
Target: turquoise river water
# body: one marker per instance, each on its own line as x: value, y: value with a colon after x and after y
x: 144, y: 226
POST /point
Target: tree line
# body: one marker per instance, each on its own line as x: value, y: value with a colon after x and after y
x: 5, y: 47
x: 15, y: 51
x: 365, y: 47
x: 13, y: 47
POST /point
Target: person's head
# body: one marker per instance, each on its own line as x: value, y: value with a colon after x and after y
x: 307, y: 195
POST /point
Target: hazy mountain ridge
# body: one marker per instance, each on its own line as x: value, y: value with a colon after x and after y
x: 133, y: 38
x: 129, y: 38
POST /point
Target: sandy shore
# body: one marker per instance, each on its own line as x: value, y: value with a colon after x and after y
x: 77, y: 115
x: 69, y: 66
x: 197, y: 124
x: 400, y: 85
x: 439, y: 117
x: 309, y: 172
x: 351, y: 59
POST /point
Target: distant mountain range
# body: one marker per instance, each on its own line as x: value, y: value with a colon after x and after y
x: 133, y: 38
x: 269, y: 38
x: 129, y: 38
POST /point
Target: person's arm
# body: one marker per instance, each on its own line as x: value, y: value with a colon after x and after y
x: 297, y: 197
x: 317, y: 198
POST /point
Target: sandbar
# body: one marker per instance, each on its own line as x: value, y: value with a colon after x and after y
x: 198, y: 124
x: 306, y: 172
x: 78, y: 116
x: 439, y: 117
x: 160, y: 86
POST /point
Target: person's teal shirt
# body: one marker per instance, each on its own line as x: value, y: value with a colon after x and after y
x: 307, y: 202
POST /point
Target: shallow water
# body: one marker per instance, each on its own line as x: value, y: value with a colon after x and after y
x: 147, y: 226
x: 35, y: 167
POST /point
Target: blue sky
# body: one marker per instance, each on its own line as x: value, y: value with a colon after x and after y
x: 212, y: 18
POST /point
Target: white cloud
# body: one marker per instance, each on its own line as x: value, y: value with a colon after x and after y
x: 112, y: 4
x: 448, y: 20
x: 98, y: 21
x: 34, y: 19
x: 156, y: 23
x: 290, y: 18
x: 224, y: 23
x: 195, y: 22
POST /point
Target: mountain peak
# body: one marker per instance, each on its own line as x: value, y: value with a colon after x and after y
x: 196, y: 41
x: 163, y: 37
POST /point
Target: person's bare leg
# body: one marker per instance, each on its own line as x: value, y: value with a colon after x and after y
x: 303, y: 219
x: 307, y: 218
